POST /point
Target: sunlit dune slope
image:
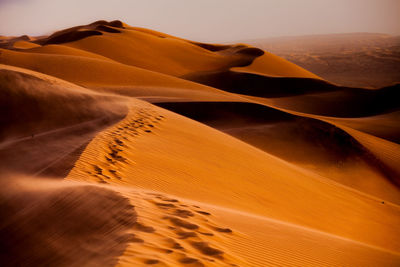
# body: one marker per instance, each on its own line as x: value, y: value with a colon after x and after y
x: 167, y: 54
x: 189, y: 164
x: 307, y: 142
x: 24, y: 45
x: 108, y: 75
x: 65, y: 50
x: 272, y: 65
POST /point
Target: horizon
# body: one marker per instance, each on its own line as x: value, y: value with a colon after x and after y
x: 251, y: 20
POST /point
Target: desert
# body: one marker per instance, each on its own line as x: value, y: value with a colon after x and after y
x: 124, y: 146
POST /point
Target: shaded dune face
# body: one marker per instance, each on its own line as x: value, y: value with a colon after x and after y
x: 59, y: 224
x: 37, y: 96
x: 316, y: 96
x: 258, y: 85
x: 347, y: 102
x: 49, y: 120
x: 278, y: 132
x: 81, y: 32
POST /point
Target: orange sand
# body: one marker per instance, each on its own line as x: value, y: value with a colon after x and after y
x: 167, y: 162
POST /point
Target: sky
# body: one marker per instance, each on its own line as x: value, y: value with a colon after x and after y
x: 206, y: 20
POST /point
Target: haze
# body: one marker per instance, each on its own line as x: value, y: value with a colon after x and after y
x: 207, y: 20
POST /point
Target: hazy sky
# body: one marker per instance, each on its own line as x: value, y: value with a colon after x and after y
x: 206, y: 20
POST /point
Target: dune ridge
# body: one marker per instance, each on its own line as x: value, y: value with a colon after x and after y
x: 179, y: 153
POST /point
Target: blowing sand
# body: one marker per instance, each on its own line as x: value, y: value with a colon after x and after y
x: 122, y: 146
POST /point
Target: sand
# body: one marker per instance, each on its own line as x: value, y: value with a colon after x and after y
x: 369, y: 60
x: 122, y: 146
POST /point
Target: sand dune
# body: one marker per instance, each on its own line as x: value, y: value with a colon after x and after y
x: 47, y: 119
x: 62, y: 224
x: 313, y: 144
x: 348, y: 102
x: 131, y: 157
x: 352, y: 59
x: 179, y: 153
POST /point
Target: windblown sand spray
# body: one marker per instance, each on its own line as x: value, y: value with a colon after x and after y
x: 61, y: 223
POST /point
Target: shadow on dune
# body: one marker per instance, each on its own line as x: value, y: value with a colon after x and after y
x: 9, y: 42
x: 212, y: 47
x: 348, y: 102
x: 81, y: 32
x: 53, y: 223
x: 49, y: 122
x: 307, y: 95
x: 70, y: 37
x: 258, y: 85
x: 270, y: 129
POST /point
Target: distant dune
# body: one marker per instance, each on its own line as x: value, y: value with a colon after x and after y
x: 354, y: 59
x: 123, y: 146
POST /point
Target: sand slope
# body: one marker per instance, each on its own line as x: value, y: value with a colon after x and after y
x: 179, y: 153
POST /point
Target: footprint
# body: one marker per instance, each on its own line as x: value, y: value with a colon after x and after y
x: 119, y: 142
x: 164, y: 205
x: 182, y: 223
x: 222, y: 230
x: 204, y: 248
x: 163, y: 198
x: 203, y: 212
x: 135, y: 239
x: 207, y: 234
x: 151, y: 261
x: 114, y: 155
x: 129, y: 238
x: 109, y: 160
x: 183, y: 213
x: 184, y: 235
x: 188, y: 260
x: 98, y: 170
x: 171, y: 243
x: 143, y: 228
